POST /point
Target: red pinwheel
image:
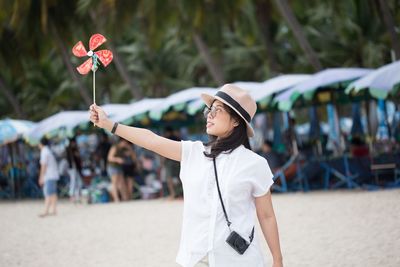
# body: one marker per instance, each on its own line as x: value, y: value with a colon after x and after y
x: 104, y: 56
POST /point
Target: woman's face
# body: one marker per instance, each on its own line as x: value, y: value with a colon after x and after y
x: 219, y: 121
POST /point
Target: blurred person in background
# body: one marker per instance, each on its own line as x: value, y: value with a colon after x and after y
x: 74, y: 170
x: 48, y: 178
x: 274, y: 159
x: 130, y: 169
x: 114, y: 169
x: 103, y: 148
x: 358, y: 147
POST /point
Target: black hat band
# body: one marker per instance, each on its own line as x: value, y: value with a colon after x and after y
x: 234, y: 104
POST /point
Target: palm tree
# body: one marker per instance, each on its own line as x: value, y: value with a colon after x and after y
x: 390, y: 26
x: 264, y: 13
x: 204, y: 19
x: 42, y: 17
x: 12, y: 99
x: 295, y: 26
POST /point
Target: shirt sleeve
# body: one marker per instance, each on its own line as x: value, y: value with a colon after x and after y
x: 190, y: 150
x: 44, y: 156
x: 262, y: 179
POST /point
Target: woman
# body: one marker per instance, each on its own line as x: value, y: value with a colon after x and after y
x: 130, y: 169
x: 74, y: 170
x: 221, y: 195
x: 114, y: 168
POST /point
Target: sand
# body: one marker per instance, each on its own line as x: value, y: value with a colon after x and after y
x: 341, y: 228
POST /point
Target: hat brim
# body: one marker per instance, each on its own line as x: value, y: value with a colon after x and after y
x: 209, y: 99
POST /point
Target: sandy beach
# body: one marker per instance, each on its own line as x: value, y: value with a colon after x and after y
x: 341, y: 228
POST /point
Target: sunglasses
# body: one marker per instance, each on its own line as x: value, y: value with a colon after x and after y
x: 212, y: 111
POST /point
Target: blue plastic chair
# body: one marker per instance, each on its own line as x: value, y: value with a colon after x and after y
x: 300, y: 181
x: 346, y: 178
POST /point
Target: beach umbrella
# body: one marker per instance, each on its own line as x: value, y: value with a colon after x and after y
x: 178, y: 101
x: 326, y: 80
x: 379, y: 83
x: 11, y: 130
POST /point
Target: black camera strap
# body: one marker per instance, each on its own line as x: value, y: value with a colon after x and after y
x: 223, y: 206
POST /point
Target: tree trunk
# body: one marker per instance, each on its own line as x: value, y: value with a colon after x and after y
x: 12, y: 99
x: 122, y: 69
x: 213, y: 67
x: 390, y: 26
x: 263, y: 12
x: 83, y: 91
x: 295, y: 26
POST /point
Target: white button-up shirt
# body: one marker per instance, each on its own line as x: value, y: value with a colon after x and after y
x: 242, y: 175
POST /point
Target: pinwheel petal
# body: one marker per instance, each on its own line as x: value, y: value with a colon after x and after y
x: 96, y: 40
x: 79, y: 49
x: 85, y: 67
x: 105, y: 56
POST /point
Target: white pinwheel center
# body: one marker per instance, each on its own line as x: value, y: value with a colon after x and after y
x: 90, y: 53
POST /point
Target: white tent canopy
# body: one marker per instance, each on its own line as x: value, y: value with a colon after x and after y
x: 179, y: 98
x: 325, y: 78
x: 258, y: 91
x: 113, y: 110
x: 278, y: 84
x: 137, y: 108
x: 379, y: 82
x: 249, y: 86
x: 64, y: 119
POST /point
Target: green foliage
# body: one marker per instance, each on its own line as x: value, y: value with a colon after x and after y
x: 154, y: 39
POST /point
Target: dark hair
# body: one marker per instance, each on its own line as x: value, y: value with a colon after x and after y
x: 168, y: 129
x: 235, y: 139
x: 357, y: 141
x: 268, y: 143
x: 44, y: 141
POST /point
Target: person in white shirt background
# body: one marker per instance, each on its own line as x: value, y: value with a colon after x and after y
x: 214, y: 209
x: 48, y: 177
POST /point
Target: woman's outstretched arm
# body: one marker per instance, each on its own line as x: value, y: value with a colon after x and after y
x: 139, y: 136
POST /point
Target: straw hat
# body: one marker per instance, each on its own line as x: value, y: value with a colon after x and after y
x: 237, y: 99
